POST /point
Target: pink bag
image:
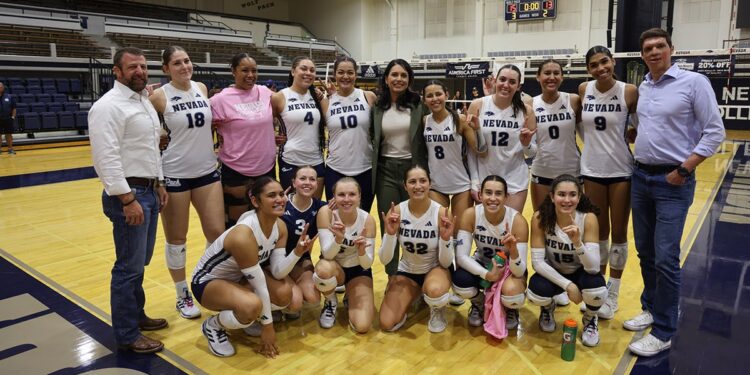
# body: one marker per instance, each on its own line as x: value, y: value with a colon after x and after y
x: 494, y: 313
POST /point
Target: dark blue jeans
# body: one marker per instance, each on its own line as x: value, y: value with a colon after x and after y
x: 659, y: 212
x: 134, y: 245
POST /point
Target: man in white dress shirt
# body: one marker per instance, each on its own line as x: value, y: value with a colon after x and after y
x: 124, y: 132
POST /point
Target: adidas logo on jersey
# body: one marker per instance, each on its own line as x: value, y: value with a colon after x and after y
x: 356, y: 100
x: 287, y: 213
x: 614, y: 97
x: 481, y: 228
x: 175, y: 98
x: 447, y: 129
x: 563, y: 107
x: 405, y: 222
x: 489, y: 113
x: 540, y: 109
x: 590, y: 97
x: 429, y: 224
x: 198, y: 95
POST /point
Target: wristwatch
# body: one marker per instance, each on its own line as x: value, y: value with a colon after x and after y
x: 683, y: 172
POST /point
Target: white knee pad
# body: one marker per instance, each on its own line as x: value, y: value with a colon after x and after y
x: 537, y: 299
x: 324, y: 285
x: 595, y: 297
x: 275, y: 307
x: 228, y: 320
x: 513, y: 302
x: 437, y: 301
x: 618, y: 256
x: 465, y: 293
x: 603, y: 252
x: 176, y: 256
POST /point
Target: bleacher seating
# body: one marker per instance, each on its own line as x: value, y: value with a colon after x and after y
x: 221, y: 52
x: 34, y: 41
x: 46, y: 111
x: 49, y: 121
x: 318, y: 56
x: 115, y: 7
x: 30, y: 122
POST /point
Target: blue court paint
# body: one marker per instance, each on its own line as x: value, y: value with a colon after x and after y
x: 712, y: 336
x: 51, y: 306
x: 42, y: 178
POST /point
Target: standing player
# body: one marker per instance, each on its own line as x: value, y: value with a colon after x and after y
x: 607, y: 163
x: 189, y: 168
x: 347, y: 114
x: 508, y: 126
x: 565, y: 256
x: 556, y: 116
x: 301, y: 115
x: 300, y: 213
x: 243, y: 118
x: 347, y: 241
x: 424, y: 230
x: 231, y: 277
x: 492, y: 226
x: 447, y: 135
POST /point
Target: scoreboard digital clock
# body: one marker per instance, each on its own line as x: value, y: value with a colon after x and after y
x: 526, y: 10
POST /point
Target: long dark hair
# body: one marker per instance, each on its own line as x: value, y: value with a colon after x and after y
x: 453, y: 113
x: 311, y: 89
x: 547, y: 213
x: 166, y: 55
x: 494, y: 177
x: 409, y: 99
x: 516, y: 102
x: 255, y: 188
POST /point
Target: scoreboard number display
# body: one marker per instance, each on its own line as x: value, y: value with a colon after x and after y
x: 527, y: 10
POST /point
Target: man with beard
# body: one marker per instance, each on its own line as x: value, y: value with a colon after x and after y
x: 124, y: 132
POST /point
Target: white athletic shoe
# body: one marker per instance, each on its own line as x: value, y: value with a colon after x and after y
x: 186, y: 307
x: 340, y: 288
x: 612, y: 298
x: 562, y: 299
x: 437, y: 321
x: 476, y: 315
x: 511, y: 319
x: 582, y: 307
x: 456, y: 300
x: 328, y: 314
x: 218, y: 341
x: 605, y: 312
x: 639, y: 322
x: 254, y: 330
x: 649, y: 346
x: 590, y: 334
x: 547, y: 318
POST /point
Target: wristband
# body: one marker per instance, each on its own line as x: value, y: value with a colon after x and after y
x: 127, y: 204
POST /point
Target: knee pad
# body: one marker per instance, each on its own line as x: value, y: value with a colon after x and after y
x: 437, y: 301
x: 513, y: 302
x: 231, y: 200
x: 275, y: 307
x: 537, y: 299
x: 603, y: 252
x: 465, y: 293
x: 618, y: 256
x: 324, y: 285
x: 176, y: 256
x: 594, y: 297
x: 228, y: 320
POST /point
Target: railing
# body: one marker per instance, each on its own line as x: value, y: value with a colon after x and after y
x: 101, y: 80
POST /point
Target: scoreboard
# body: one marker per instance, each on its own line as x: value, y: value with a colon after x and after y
x: 526, y: 10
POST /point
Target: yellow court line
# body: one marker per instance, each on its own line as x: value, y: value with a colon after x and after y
x: 167, y: 355
x: 687, y: 245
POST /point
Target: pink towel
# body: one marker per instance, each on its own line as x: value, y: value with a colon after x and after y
x: 494, y: 313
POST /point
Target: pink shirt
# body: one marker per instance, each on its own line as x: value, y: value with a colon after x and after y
x: 244, y: 119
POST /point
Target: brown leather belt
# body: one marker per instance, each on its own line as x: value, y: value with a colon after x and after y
x: 142, y: 182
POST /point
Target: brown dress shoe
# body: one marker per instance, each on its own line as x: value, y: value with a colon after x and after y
x: 144, y: 345
x: 149, y: 324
